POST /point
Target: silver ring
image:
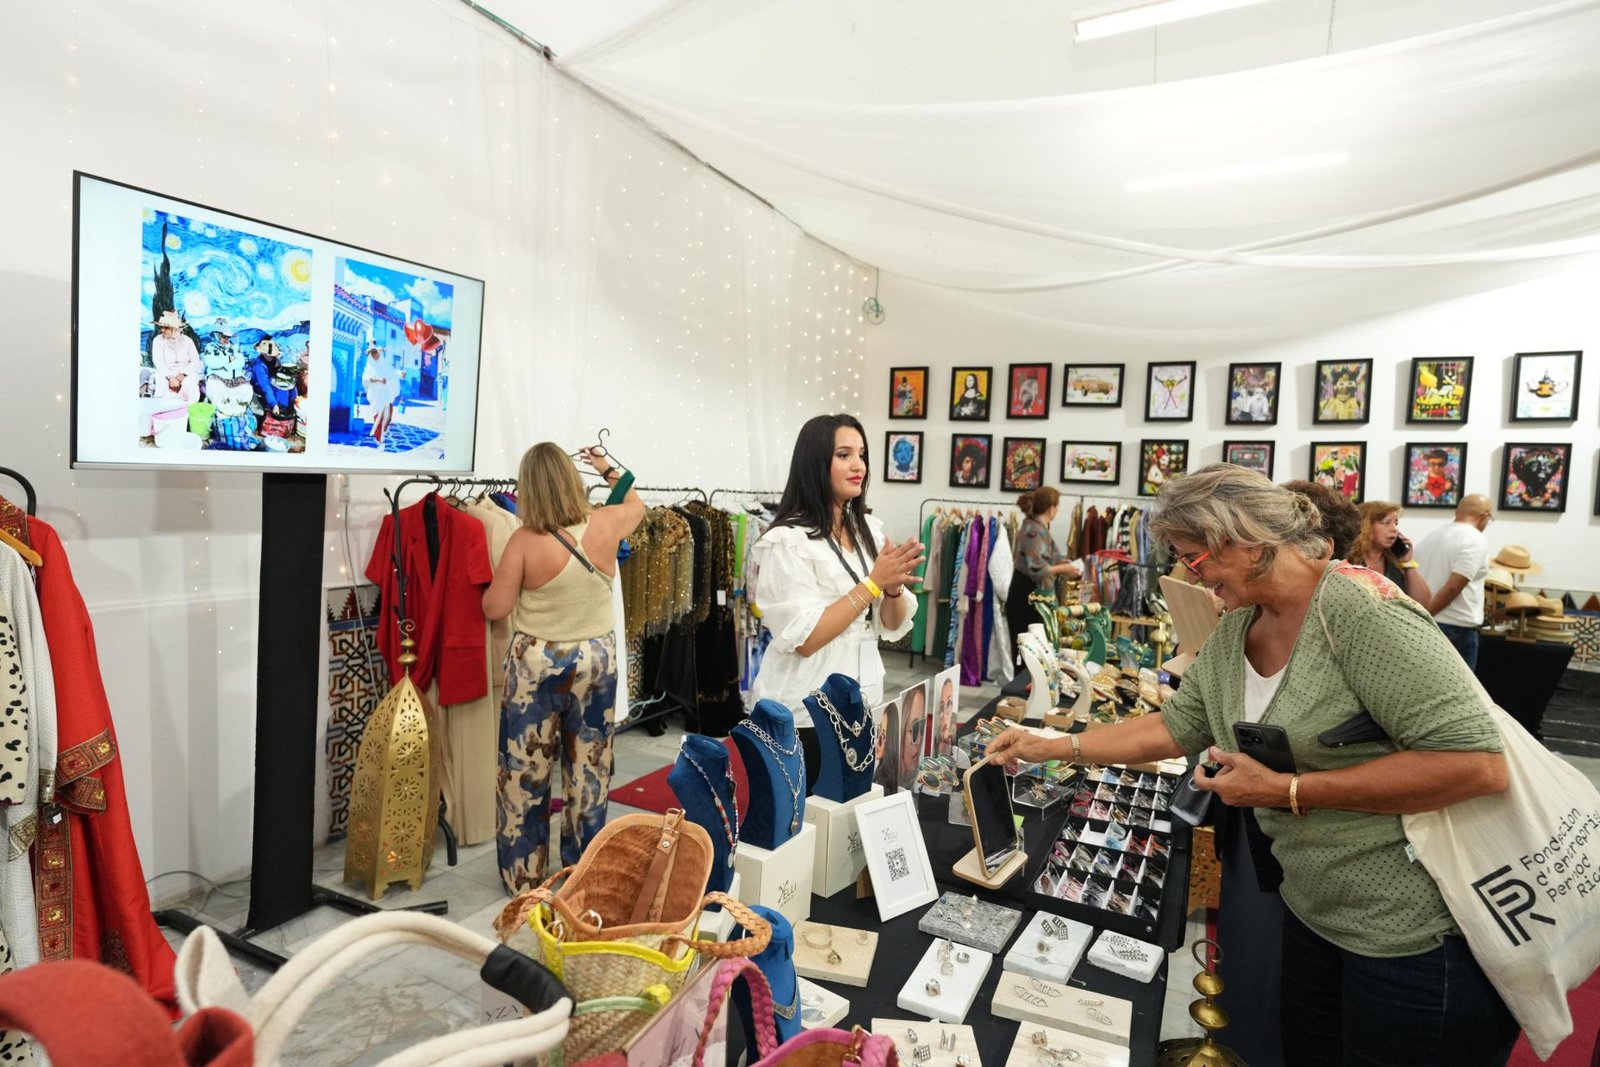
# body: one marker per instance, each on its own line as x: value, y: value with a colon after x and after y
x: 963, y: 957
x: 932, y: 987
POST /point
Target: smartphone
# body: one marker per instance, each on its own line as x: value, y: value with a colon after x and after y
x: 1401, y: 547
x: 1266, y: 744
x: 994, y: 824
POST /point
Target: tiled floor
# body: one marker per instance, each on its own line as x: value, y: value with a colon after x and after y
x: 402, y: 996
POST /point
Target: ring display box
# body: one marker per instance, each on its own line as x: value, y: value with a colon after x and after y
x: 820, y: 1007
x: 1131, y: 958
x: 1032, y: 1000
x: 814, y: 942
x: 839, y: 857
x: 1059, y: 1046
x: 781, y: 878
x: 1041, y: 951
x: 717, y: 925
x: 947, y: 997
x: 957, y: 1041
x: 970, y: 921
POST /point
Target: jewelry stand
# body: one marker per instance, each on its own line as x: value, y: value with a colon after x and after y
x: 777, y: 807
x: 1041, y: 694
x: 854, y: 965
x: 956, y: 991
x: 1127, y: 956
x: 820, y: 1007
x: 970, y: 868
x: 1059, y: 956
x: 779, y: 878
x: 961, y: 1047
x: 701, y: 782
x: 1057, y: 1046
x: 852, y: 740
x: 839, y: 859
x: 1096, y: 1015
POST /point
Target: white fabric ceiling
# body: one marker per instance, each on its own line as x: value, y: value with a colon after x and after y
x: 977, y: 147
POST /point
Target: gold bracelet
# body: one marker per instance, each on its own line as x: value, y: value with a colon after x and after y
x: 1294, y: 798
x: 872, y: 587
x: 1077, y: 748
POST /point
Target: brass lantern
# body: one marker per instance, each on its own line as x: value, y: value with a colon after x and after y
x: 394, y: 794
x: 1202, y: 1051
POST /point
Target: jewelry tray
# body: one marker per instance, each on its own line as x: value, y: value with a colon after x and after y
x: 988, y: 929
x: 928, y: 1034
x: 855, y: 959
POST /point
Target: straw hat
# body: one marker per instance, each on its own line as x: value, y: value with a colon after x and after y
x: 169, y: 317
x: 1516, y: 559
x: 1552, y: 608
x: 1522, y: 604
x: 1500, y: 579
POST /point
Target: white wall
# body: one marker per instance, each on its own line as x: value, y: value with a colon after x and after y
x: 626, y: 287
x: 928, y: 327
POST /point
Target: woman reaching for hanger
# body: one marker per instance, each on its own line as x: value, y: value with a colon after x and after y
x: 554, y: 580
x: 829, y: 582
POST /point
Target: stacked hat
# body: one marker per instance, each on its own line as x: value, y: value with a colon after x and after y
x: 1516, y: 559
x: 1552, y: 623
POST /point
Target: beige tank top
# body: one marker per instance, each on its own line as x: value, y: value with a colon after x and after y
x: 575, y: 605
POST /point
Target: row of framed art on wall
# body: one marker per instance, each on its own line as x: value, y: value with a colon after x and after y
x: 1534, y: 476
x: 1544, y: 389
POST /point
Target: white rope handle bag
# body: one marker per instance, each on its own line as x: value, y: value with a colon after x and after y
x: 206, y: 979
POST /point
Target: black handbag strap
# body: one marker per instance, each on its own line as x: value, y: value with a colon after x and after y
x: 572, y: 547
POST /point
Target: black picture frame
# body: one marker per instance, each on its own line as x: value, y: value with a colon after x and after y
x: 1527, y: 405
x: 1330, y: 403
x: 1337, y: 476
x: 1027, y: 472
x: 1169, y: 393
x: 1023, y: 402
x: 1253, y: 390
x: 1170, y: 468
x: 1093, y: 380
x: 1432, y: 473
x: 1440, y: 393
x: 983, y: 444
x: 908, y: 392
x: 909, y: 474
x: 1519, y: 460
x: 1239, y: 452
x: 971, y: 408
x: 1075, y: 461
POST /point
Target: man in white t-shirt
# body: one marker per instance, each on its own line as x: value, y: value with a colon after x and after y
x: 1454, y: 562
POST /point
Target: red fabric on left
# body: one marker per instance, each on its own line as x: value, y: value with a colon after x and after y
x: 110, y: 905
x: 87, y: 1015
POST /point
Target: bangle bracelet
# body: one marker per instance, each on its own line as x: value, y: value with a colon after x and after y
x: 855, y: 601
x: 872, y: 587
x: 813, y: 938
x: 1294, y: 798
x: 1077, y: 748
x: 894, y: 594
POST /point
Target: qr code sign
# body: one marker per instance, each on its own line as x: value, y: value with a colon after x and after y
x: 898, y: 867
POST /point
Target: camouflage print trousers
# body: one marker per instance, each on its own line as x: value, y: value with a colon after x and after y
x: 558, y: 694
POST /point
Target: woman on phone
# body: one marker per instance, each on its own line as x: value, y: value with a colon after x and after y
x: 1381, y: 547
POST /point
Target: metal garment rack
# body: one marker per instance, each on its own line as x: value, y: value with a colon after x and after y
x: 27, y: 488
x: 760, y: 494
x: 660, y: 489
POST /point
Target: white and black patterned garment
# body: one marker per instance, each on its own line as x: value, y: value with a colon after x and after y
x: 14, y: 1048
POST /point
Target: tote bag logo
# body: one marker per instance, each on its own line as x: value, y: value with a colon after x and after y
x: 1507, y: 899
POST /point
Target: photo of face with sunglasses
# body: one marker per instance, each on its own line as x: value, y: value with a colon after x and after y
x: 887, y: 774
x: 913, y: 729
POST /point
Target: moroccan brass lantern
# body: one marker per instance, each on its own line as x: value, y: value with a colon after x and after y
x: 1202, y: 1051
x: 394, y: 794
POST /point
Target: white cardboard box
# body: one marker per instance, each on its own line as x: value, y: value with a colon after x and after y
x: 779, y: 879
x: 1083, y: 1011
x: 1061, y: 954
x: 957, y: 990
x: 1121, y: 954
x: 839, y: 856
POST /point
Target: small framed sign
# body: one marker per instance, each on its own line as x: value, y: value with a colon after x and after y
x: 897, y: 857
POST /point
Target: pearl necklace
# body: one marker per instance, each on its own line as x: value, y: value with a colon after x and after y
x: 729, y: 830
x: 856, y: 761
x: 771, y: 744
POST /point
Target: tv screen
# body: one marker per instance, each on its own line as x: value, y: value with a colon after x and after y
x: 206, y: 340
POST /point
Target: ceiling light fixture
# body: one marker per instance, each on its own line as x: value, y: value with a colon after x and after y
x: 1237, y: 172
x: 1126, y: 17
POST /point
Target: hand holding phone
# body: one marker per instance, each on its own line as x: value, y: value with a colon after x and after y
x: 1267, y: 744
x: 1401, y: 548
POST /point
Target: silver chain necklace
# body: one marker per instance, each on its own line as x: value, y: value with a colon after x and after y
x: 778, y: 753
x: 729, y: 830
x: 856, y: 761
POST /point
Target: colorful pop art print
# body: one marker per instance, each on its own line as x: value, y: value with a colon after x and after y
x: 1341, y: 466
x: 969, y: 460
x: 1544, y: 386
x: 908, y: 392
x: 902, y: 456
x: 969, y: 393
x: 1253, y: 393
x: 1343, y: 391
x: 1022, y: 464
x: 1251, y: 455
x: 1441, y: 390
x: 1169, y: 394
x: 1433, y: 473
x: 1160, y: 461
x: 1094, y: 385
x: 1091, y: 461
x: 1533, y: 477
x: 1028, y: 394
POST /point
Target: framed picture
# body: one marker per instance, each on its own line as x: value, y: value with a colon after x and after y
x: 1441, y: 390
x: 908, y: 392
x: 1169, y: 396
x: 1341, y: 466
x: 1544, y: 386
x: 969, y: 393
x: 897, y: 858
x: 1029, y: 394
x: 1343, y: 391
x: 969, y: 459
x: 947, y: 711
x: 916, y: 721
x: 1432, y: 474
x: 1159, y: 463
x: 1251, y: 455
x: 1253, y: 393
x: 1092, y: 385
x: 1022, y: 465
x: 902, y: 456
x: 1534, y: 477
x: 1091, y: 461
x: 886, y: 754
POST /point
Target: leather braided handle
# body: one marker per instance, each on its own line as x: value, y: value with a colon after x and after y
x: 759, y: 933
x: 728, y: 972
x: 515, y: 914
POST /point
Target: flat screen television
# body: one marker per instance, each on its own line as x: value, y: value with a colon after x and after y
x: 207, y: 340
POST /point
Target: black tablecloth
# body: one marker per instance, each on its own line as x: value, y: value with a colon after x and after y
x: 1521, y: 676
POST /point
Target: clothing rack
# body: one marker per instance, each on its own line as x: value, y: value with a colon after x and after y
x: 760, y: 494
x: 27, y: 488
x: 701, y: 493
x: 922, y: 509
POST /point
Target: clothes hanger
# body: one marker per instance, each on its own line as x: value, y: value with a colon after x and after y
x: 21, y: 549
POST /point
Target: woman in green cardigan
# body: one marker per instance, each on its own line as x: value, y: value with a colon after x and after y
x: 1374, y: 968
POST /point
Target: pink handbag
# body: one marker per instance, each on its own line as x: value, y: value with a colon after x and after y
x: 810, y: 1048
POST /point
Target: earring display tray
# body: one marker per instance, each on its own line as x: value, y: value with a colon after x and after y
x: 855, y: 955
x: 1066, y: 1007
x: 964, y: 1043
x: 1129, y: 957
x: 970, y: 921
x: 1041, y: 953
x: 1061, y: 1046
x: 956, y: 990
x: 820, y: 1007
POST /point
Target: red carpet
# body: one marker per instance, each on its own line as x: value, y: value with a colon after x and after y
x: 652, y: 793
x: 1577, y: 1050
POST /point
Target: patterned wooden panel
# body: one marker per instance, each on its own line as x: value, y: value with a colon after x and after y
x: 1586, y: 637
x: 1205, y: 872
x: 355, y: 685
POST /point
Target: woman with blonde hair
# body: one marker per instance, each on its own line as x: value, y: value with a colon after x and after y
x: 1380, y: 547
x: 554, y: 580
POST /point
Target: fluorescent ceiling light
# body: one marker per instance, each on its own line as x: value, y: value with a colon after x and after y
x: 1237, y: 172
x: 1143, y: 14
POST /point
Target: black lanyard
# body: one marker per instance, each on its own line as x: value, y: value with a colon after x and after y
x: 851, y: 571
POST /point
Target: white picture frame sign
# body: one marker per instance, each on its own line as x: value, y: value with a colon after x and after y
x: 897, y: 856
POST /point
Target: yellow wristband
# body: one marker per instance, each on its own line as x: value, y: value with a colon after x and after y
x: 872, y: 587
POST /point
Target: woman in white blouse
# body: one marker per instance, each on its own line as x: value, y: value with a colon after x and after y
x: 828, y: 583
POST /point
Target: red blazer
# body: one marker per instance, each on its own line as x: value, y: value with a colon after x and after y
x: 446, y: 604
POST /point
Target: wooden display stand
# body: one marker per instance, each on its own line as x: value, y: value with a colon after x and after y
x: 970, y: 868
x: 781, y: 878
x: 839, y: 858
x: 1096, y: 1015
x: 855, y: 956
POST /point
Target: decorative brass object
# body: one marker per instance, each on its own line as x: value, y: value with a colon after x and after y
x: 1202, y: 1051
x: 394, y: 794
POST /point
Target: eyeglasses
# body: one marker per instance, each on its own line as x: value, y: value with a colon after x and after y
x: 1192, y: 562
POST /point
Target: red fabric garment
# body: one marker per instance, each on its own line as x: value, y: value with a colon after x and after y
x: 108, y: 902
x: 447, y: 605
x: 86, y: 1015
